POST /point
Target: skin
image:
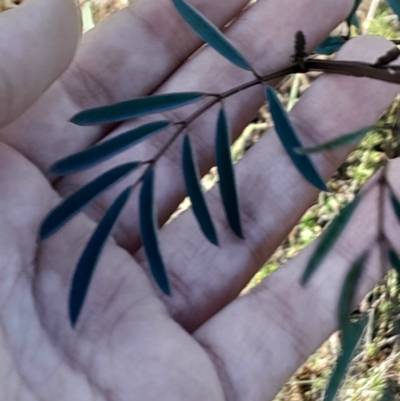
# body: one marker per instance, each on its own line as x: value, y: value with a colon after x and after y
x: 202, y: 343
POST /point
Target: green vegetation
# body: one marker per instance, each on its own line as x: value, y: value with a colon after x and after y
x: 378, y: 359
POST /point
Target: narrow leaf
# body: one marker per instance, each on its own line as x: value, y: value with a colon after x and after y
x: 149, y: 232
x: 105, y: 150
x: 337, y: 143
x: 395, y: 6
x: 348, y: 291
x: 88, y: 261
x: 210, y: 33
x: 135, y: 108
x: 288, y: 137
x: 330, y: 45
x: 397, y: 326
x: 352, y: 19
x: 194, y: 190
x: 355, y: 332
x: 71, y: 206
x: 227, y: 183
x: 329, y: 239
x: 395, y: 204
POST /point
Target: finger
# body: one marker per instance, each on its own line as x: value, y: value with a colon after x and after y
x: 280, y: 323
x: 211, y: 73
x: 273, y: 195
x: 128, y: 55
x: 37, y: 43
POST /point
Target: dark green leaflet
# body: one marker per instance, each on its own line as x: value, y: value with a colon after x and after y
x: 347, y: 294
x: 355, y: 332
x: 337, y: 143
x: 352, y: 19
x: 105, y: 150
x: 210, y: 34
x: 88, y: 261
x: 194, y: 190
x: 288, y: 137
x: 395, y: 263
x: 397, y: 326
x: 394, y: 260
x: 148, y: 229
x: 330, y: 45
x: 395, y: 204
x: 395, y: 6
x: 227, y: 183
x: 329, y: 239
x: 62, y: 213
x: 135, y: 108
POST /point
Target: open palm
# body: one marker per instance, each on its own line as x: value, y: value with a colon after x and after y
x: 131, y: 342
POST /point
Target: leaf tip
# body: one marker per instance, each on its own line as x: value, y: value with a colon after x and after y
x: 305, y: 279
x: 43, y: 232
x: 322, y: 186
x: 236, y: 227
x: 165, y: 287
x: 308, y: 272
x: 73, y: 313
x: 214, y: 239
x: 77, y: 119
x: 57, y: 168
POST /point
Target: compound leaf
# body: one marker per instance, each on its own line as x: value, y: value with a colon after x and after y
x: 337, y: 143
x: 347, y: 294
x: 355, y: 331
x: 290, y: 141
x: 64, y: 212
x: 149, y: 232
x: 395, y: 6
x: 194, y: 190
x: 88, y: 261
x: 330, y: 45
x: 210, y: 33
x: 135, y: 108
x: 98, y: 153
x: 329, y: 239
x: 227, y: 183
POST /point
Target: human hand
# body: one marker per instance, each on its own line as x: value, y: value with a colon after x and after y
x: 130, y: 341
